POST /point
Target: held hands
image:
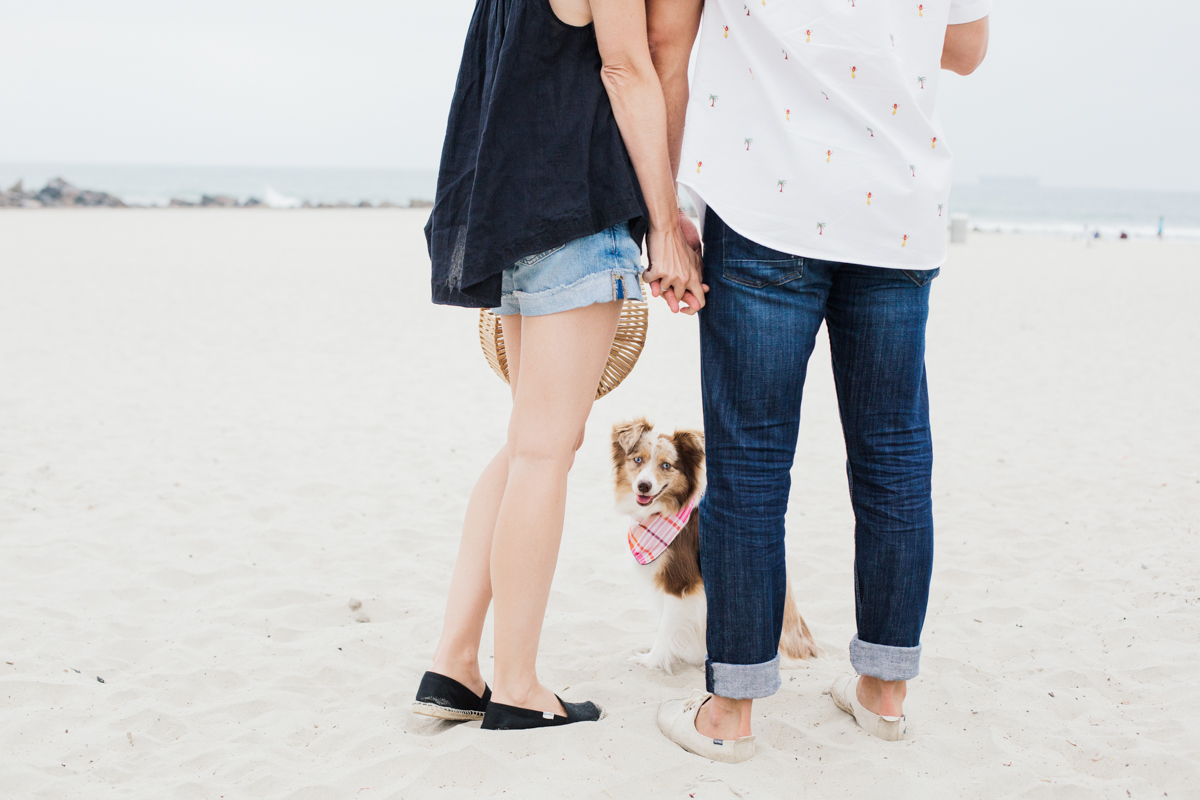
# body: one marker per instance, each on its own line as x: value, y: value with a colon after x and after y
x: 675, y: 267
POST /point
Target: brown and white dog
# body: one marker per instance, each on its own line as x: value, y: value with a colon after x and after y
x: 659, y: 474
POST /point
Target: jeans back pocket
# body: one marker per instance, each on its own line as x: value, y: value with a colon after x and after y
x: 921, y: 276
x: 752, y: 264
x: 529, y: 261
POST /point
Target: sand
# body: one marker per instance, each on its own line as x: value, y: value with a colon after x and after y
x: 217, y: 428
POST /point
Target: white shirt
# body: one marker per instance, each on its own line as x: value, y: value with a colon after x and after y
x: 812, y: 126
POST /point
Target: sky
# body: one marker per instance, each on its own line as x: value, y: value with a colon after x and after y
x: 1091, y: 93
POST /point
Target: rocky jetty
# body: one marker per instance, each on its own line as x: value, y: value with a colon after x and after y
x: 57, y: 194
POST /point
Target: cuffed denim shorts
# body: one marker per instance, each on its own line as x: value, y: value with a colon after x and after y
x: 599, y: 268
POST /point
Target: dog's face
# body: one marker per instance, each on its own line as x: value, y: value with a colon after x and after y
x: 656, y: 473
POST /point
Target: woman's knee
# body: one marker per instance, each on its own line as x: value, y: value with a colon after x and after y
x: 545, y: 451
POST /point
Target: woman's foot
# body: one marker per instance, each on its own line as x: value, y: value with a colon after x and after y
x: 465, y: 671
x: 538, y: 698
x: 500, y: 717
x: 445, y: 698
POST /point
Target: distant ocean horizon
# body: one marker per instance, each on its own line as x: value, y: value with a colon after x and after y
x: 1010, y: 205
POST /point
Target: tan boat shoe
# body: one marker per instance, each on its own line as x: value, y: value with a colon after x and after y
x: 677, y: 721
x: 845, y: 696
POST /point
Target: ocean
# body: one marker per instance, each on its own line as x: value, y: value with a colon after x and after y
x: 1011, y: 205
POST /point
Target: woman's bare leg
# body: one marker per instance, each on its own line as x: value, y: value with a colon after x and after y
x: 561, y: 359
x: 457, y: 654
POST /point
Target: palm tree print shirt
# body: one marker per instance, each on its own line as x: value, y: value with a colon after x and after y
x: 812, y: 127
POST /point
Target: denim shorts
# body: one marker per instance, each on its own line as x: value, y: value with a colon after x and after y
x: 599, y: 268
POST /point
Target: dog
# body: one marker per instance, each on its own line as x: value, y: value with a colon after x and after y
x: 657, y: 477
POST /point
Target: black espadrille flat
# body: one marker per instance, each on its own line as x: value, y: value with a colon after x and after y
x: 500, y: 717
x: 446, y: 698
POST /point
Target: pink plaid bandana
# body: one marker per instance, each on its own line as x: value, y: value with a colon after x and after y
x: 650, y: 538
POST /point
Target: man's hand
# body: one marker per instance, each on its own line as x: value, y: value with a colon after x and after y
x: 675, y: 270
x: 690, y: 234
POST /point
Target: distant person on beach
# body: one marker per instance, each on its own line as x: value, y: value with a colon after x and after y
x: 554, y: 168
x: 814, y: 152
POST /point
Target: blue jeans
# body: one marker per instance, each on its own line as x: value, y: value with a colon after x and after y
x: 756, y: 334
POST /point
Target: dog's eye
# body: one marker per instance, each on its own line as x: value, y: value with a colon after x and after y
x: 637, y: 459
x: 665, y: 465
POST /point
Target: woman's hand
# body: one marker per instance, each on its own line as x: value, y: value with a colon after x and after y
x: 675, y: 270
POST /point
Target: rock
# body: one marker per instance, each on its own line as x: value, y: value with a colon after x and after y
x: 387, y: 204
x: 19, y: 199
x: 355, y: 604
x: 365, y: 204
x: 177, y: 203
x: 17, y: 188
x: 415, y: 203
x: 220, y: 201
x: 307, y: 204
x: 98, y: 199
x: 58, y: 193
x: 361, y: 616
x: 253, y: 202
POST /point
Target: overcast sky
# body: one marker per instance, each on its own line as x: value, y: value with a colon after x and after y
x: 1075, y: 92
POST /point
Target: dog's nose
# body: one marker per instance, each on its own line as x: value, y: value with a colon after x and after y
x: 644, y: 487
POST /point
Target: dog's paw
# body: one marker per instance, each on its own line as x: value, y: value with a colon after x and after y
x: 652, y: 660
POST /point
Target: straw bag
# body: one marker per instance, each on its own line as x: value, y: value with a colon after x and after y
x: 626, y: 347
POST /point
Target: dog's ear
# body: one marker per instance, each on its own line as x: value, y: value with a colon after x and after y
x: 626, y: 435
x: 689, y: 446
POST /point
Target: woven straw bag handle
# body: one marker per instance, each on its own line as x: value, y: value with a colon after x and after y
x: 626, y: 347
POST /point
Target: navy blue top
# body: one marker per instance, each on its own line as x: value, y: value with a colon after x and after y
x: 533, y: 157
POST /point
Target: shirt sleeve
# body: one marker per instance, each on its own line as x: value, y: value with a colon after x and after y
x: 962, y: 11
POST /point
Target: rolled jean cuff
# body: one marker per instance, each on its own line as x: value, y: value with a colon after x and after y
x: 743, y: 681
x: 883, y: 661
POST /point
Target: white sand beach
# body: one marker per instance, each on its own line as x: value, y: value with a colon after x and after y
x: 218, y: 427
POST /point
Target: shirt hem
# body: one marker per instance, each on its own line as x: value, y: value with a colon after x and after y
x: 786, y: 247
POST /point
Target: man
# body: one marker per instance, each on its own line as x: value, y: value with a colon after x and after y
x: 815, y: 154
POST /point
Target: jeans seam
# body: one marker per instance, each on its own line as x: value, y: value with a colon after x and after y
x: 854, y: 563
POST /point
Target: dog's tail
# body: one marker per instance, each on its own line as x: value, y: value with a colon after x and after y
x: 795, y: 642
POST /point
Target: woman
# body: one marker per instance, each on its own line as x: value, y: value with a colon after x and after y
x: 554, y: 167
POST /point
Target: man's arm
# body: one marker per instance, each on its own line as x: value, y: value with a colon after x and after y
x: 965, y: 46
x: 672, y: 26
